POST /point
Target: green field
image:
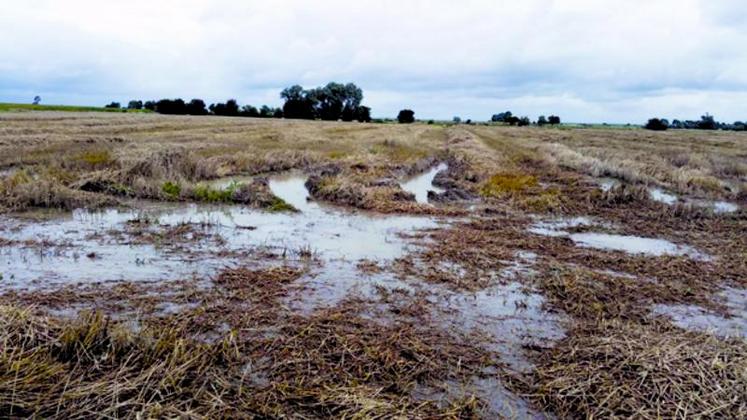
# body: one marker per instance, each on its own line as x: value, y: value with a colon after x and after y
x: 11, y: 107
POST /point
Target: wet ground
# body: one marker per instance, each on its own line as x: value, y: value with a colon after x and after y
x: 344, y: 253
x: 626, y: 243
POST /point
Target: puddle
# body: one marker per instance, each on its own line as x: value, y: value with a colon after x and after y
x: 606, y: 241
x: 657, y: 194
x: 606, y: 184
x: 724, y: 207
x: 668, y: 198
x: 330, y: 233
x: 421, y: 184
x: 692, y: 317
x: 510, y: 313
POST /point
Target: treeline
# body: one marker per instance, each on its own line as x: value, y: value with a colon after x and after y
x: 333, y: 102
x: 509, y: 118
x: 706, y: 122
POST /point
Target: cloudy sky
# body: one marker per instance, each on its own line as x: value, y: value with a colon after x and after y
x: 586, y: 60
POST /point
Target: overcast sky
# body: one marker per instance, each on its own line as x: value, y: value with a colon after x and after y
x: 586, y: 60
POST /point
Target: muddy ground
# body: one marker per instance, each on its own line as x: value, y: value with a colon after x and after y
x: 155, y: 266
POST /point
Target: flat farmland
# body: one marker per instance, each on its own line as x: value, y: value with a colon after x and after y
x: 207, y: 267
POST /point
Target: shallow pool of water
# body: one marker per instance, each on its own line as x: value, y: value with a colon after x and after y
x: 421, y: 184
x: 657, y: 194
x: 329, y: 233
x: 696, y: 318
x: 626, y: 243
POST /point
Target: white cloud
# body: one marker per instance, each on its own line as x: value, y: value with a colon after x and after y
x: 589, y: 60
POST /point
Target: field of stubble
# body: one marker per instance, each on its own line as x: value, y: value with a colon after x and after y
x: 163, y: 266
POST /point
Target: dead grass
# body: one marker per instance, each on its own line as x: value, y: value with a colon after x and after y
x: 269, y: 363
x: 621, y: 369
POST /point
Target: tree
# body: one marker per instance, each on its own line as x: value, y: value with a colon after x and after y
x: 134, y: 104
x: 406, y: 116
x: 113, y: 105
x: 266, y: 112
x: 171, y: 106
x: 512, y: 120
x: 228, y: 109
x: 332, y: 102
x: 363, y: 114
x: 196, y: 107
x: 523, y: 122
x: 541, y: 121
x: 553, y: 120
x: 456, y: 120
x: 656, y: 124
x: 707, y: 122
x: 298, y: 104
x: 37, y: 100
x: 150, y: 105
x: 249, y: 111
x: 502, y: 117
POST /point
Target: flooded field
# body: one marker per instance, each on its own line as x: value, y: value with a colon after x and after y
x: 309, y: 269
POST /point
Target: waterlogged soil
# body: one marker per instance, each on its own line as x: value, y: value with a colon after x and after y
x: 420, y: 185
x: 692, y: 317
x: 341, y: 256
x: 606, y: 241
x: 133, y: 245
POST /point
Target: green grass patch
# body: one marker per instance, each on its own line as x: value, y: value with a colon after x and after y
x: 280, y: 205
x: 171, y: 189
x: 12, y: 107
x: 211, y: 195
x: 501, y: 184
x: 96, y: 158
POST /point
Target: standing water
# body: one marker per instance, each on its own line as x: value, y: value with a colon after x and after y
x: 421, y: 184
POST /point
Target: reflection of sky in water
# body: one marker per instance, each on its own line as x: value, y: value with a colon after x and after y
x: 625, y: 243
x: 421, y: 184
x: 332, y: 233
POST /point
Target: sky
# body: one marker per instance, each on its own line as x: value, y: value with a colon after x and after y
x: 613, y: 61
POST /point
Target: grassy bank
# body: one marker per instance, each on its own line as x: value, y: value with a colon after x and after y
x: 11, y: 107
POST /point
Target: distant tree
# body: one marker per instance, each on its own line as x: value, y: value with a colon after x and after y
x: 298, y: 103
x: 676, y: 124
x: 134, y: 104
x: 739, y: 126
x: 278, y: 113
x: 266, y: 112
x: 331, y: 102
x: 553, y: 120
x: 113, y: 105
x: 249, y: 111
x: 406, y: 116
x: 171, y: 106
x: 707, y: 122
x: 541, y: 121
x: 196, y: 107
x: 228, y: 109
x: 363, y: 114
x: 37, y: 100
x: 512, y: 120
x: 150, y: 105
x: 502, y: 117
x: 456, y: 120
x: 523, y: 122
x: 348, y: 114
x: 656, y: 124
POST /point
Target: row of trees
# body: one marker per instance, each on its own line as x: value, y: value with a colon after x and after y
x: 333, y: 102
x: 509, y: 118
x: 230, y: 108
x: 706, y: 122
